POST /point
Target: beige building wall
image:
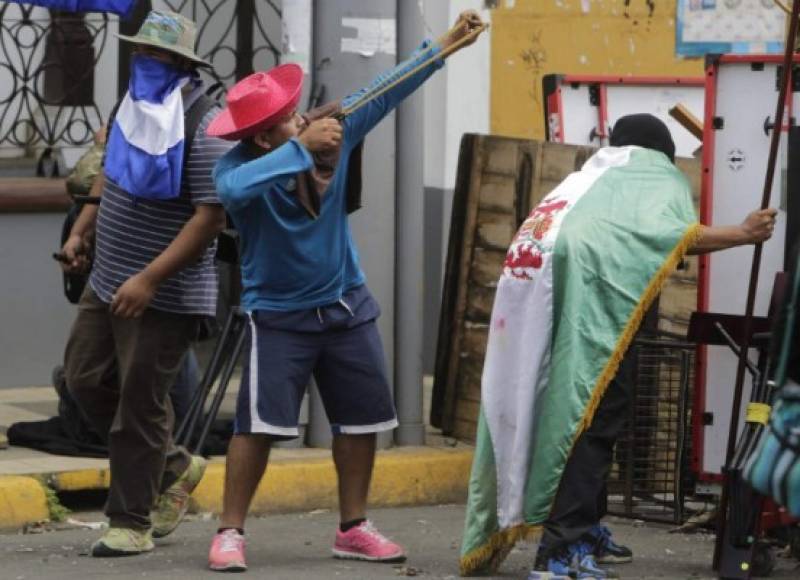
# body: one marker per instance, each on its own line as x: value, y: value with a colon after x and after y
x: 533, y: 38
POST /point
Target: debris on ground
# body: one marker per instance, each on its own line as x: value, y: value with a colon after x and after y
x: 86, y: 525
x: 699, y: 520
x: 35, y: 527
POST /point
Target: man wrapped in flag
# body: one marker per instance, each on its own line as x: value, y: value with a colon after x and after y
x: 579, y: 276
x: 152, y: 281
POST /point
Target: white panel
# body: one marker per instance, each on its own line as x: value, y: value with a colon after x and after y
x: 658, y: 100
x: 579, y: 116
x: 744, y: 99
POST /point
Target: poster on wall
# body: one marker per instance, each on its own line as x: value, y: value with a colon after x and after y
x: 729, y: 27
x: 296, y: 39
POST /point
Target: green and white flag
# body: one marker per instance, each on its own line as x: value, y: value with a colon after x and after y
x: 577, y: 280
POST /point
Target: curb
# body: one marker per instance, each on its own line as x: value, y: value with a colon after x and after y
x: 22, y: 501
x: 402, y: 477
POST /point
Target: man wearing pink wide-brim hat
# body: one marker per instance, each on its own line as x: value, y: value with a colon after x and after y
x: 288, y: 186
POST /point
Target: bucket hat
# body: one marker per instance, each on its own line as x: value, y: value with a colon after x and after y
x: 168, y: 31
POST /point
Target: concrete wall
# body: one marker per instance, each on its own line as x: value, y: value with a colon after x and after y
x: 106, y: 50
x: 532, y: 38
x: 35, y: 317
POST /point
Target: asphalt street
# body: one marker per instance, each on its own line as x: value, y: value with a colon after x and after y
x: 297, y: 547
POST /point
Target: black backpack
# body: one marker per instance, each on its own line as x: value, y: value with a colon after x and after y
x: 75, y: 283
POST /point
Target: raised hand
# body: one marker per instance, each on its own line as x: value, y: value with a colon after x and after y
x: 321, y: 135
x: 466, y: 24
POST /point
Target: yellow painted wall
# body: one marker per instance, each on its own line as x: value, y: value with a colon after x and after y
x: 532, y: 38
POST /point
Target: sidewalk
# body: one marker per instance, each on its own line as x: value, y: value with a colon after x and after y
x: 298, y: 479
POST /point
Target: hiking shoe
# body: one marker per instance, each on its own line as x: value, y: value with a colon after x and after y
x: 606, y: 550
x: 227, y: 552
x: 122, y: 542
x: 171, y: 505
x: 364, y: 542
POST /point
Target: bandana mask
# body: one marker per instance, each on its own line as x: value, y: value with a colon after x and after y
x: 152, y: 79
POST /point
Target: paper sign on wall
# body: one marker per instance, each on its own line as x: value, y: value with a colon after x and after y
x: 370, y: 36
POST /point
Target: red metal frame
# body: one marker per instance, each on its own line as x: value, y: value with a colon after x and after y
x: 633, y: 80
x: 706, y: 198
x: 706, y: 202
x: 555, y: 116
x: 555, y: 104
x: 602, y: 112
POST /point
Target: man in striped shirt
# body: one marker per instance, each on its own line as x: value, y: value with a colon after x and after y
x: 152, y: 281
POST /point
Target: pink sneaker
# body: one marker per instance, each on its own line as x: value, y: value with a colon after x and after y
x: 227, y: 552
x: 364, y: 542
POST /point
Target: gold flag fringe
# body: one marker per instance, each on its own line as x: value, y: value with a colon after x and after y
x: 650, y: 293
x: 487, y: 558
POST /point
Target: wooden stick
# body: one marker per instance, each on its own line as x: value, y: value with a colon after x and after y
x: 687, y: 120
x: 783, y: 7
x: 733, y: 430
x: 364, y: 99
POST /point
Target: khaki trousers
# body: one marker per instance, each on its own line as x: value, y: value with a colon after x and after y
x: 120, y: 372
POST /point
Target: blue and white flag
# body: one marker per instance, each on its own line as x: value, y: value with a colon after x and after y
x: 122, y: 7
x: 144, y: 154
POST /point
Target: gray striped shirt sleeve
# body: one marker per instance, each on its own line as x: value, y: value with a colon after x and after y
x: 204, y: 155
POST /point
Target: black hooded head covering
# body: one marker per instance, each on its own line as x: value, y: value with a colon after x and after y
x: 644, y: 130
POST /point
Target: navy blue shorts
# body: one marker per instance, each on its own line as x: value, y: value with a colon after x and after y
x: 339, y: 344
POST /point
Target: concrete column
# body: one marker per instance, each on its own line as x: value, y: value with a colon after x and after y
x: 409, y: 226
x: 346, y: 58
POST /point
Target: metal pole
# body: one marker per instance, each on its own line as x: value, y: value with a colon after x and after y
x: 339, y: 70
x: 245, y: 17
x: 409, y: 226
x: 318, y: 432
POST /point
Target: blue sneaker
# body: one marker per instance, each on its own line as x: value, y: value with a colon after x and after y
x: 606, y: 550
x: 586, y: 565
x: 552, y: 565
x: 574, y: 562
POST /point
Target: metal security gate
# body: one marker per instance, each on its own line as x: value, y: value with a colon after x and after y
x: 652, y: 457
x: 236, y: 36
x: 60, y: 73
x: 47, y: 93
